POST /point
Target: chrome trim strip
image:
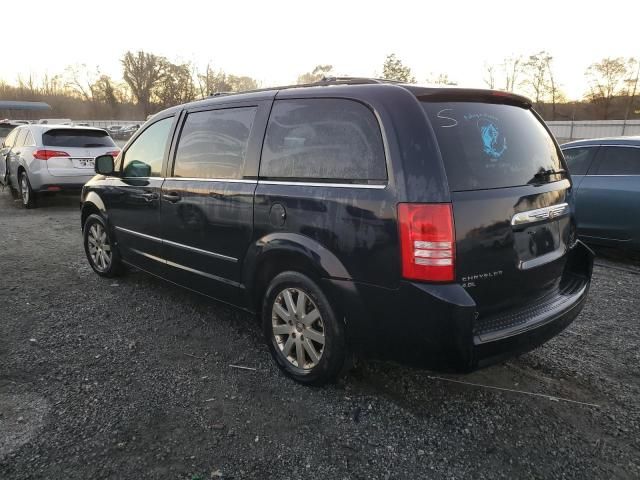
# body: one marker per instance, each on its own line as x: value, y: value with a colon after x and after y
x: 203, y: 252
x: 138, y: 234
x: 188, y: 269
x: 179, y: 245
x: 229, y: 180
x: 204, y: 274
x: 539, y: 214
x: 320, y: 184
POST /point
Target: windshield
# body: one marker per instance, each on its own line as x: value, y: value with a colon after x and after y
x: 77, y: 138
x: 486, y: 145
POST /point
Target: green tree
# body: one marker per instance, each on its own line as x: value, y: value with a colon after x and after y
x: 394, y: 69
x: 143, y: 72
x: 318, y: 73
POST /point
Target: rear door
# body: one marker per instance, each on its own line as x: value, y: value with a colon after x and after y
x: 74, y: 149
x: 609, y: 197
x: 207, y: 201
x: 510, y: 199
x: 133, y: 197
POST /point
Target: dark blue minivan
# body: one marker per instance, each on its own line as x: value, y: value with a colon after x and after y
x: 353, y: 215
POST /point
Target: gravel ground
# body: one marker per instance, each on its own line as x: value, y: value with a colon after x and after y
x: 131, y: 379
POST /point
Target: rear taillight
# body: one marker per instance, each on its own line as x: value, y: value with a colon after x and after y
x: 427, y: 241
x: 113, y: 153
x: 47, y: 154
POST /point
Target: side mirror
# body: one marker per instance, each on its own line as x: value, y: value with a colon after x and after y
x: 104, y: 165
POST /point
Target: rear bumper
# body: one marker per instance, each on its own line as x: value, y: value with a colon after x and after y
x: 437, y: 326
x: 42, y: 181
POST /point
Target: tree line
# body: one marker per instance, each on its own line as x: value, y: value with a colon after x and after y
x: 151, y: 82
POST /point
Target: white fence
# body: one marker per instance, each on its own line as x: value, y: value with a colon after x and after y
x: 108, y: 123
x: 566, y: 130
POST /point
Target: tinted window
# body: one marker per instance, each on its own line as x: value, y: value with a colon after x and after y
x: 144, y: 156
x: 213, y: 144
x: 323, y: 139
x: 619, y: 161
x: 63, y: 137
x: 491, y: 146
x: 578, y: 160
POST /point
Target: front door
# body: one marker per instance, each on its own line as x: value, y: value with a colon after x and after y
x: 207, y: 201
x: 133, y: 199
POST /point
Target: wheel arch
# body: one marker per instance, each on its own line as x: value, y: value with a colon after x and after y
x: 279, y: 252
x: 92, y: 204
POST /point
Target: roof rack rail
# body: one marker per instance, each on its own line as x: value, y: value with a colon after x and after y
x: 323, y: 81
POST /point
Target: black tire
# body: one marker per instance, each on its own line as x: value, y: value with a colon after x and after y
x: 27, y: 195
x: 93, y: 226
x: 333, y: 352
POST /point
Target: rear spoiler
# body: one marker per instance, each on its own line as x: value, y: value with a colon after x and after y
x: 471, y: 95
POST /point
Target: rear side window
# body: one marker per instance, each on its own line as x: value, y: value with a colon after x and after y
x: 68, y: 137
x: 323, y: 139
x: 213, y: 144
x: 578, y: 159
x: 619, y: 161
x: 486, y: 145
x: 21, y: 135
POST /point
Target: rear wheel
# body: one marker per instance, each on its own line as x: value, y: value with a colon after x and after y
x: 99, y: 247
x: 27, y: 194
x: 301, y: 330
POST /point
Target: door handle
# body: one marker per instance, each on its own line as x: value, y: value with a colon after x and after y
x: 172, y: 197
x: 149, y: 197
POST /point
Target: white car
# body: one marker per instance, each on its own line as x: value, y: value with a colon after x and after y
x: 51, y: 158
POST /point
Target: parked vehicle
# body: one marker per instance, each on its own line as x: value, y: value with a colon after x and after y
x: 50, y: 158
x: 606, y: 173
x: 6, y: 126
x: 353, y: 215
x: 55, y: 121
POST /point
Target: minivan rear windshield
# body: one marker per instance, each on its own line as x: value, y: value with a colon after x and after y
x: 67, y: 137
x: 487, y: 145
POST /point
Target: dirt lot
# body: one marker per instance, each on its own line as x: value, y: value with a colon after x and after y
x: 131, y: 379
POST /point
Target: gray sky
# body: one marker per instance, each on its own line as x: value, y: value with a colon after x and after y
x: 275, y: 41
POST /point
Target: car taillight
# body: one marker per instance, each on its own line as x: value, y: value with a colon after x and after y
x: 427, y: 241
x: 47, y: 154
x: 113, y: 153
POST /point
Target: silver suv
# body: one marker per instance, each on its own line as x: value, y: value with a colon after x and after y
x: 51, y: 158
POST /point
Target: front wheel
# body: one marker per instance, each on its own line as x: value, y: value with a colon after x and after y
x: 99, y: 247
x: 303, y: 334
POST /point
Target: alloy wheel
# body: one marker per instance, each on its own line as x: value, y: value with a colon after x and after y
x: 298, y: 328
x: 24, y: 189
x: 99, y: 247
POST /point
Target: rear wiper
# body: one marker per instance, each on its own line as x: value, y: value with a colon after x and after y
x: 548, y: 173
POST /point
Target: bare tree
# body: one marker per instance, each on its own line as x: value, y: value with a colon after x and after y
x: 632, y: 82
x: 175, y: 85
x: 142, y: 72
x: 441, y: 79
x: 490, y: 75
x: 80, y: 79
x: 606, y: 80
x: 512, y: 68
